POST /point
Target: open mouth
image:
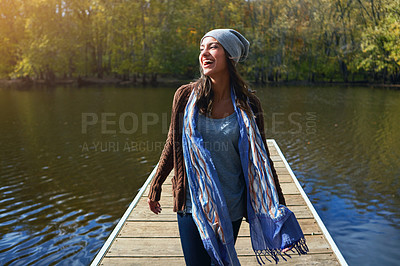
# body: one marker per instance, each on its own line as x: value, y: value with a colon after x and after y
x: 207, y: 62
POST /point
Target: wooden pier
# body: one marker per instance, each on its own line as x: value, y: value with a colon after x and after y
x: 144, y: 238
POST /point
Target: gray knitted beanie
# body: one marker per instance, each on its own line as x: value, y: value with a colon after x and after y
x: 234, y: 43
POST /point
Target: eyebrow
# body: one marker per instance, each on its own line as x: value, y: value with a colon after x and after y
x: 209, y: 43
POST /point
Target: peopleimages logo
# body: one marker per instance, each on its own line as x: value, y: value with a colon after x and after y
x: 110, y: 123
x: 129, y: 123
x: 293, y: 123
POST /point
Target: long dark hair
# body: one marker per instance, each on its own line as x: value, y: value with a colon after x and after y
x: 205, y: 93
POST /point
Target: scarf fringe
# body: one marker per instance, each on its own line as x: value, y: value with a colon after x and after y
x: 300, y: 246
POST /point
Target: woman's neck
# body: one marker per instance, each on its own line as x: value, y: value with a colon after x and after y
x: 221, y: 88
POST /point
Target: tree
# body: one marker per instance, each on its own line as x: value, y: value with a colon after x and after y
x: 380, y: 43
x: 290, y: 39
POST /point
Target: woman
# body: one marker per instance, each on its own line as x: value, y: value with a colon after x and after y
x: 222, y: 168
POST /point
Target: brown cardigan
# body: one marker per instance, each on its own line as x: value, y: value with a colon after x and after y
x: 172, y: 154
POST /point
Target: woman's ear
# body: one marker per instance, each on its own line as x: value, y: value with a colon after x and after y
x: 233, y: 62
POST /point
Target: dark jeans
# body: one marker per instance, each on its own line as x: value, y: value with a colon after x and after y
x: 192, y: 246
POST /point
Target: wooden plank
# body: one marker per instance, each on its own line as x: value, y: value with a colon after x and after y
x: 164, y: 229
x: 279, y: 164
x: 309, y: 226
x: 272, y: 151
x: 312, y: 259
x: 276, y: 158
x: 281, y: 171
x: 154, y: 261
x: 294, y: 200
x: 168, y: 201
x: 315, y: 259
x: 285, y: 178
x: 150, y: 229
x: 142, y: 213
x: 285, y: 181
x: 171, y: 247
x: 289, y: 188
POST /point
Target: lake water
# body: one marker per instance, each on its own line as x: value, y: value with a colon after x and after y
x: 73, y: 159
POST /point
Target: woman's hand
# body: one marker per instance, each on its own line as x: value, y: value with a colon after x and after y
x: 154, y: 206
x: 287, y: 249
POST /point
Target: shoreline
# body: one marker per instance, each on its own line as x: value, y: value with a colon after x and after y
x: 86, y: 82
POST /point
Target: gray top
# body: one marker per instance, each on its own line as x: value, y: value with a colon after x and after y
x: 221, y: 138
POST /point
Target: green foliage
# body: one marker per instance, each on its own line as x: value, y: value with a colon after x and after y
x: 380, y: 43
x: 290, y: 39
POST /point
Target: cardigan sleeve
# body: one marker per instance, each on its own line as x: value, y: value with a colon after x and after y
x: 166, y: 162
x: 260, y: 123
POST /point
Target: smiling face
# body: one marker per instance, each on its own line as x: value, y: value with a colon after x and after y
x: 212, y: 58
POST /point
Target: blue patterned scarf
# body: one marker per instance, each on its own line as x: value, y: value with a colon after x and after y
x: 273, y: 227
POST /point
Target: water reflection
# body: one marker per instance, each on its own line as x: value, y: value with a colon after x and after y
x: 350, y: 166
x: 54, y: 194
x: 66, y: 179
